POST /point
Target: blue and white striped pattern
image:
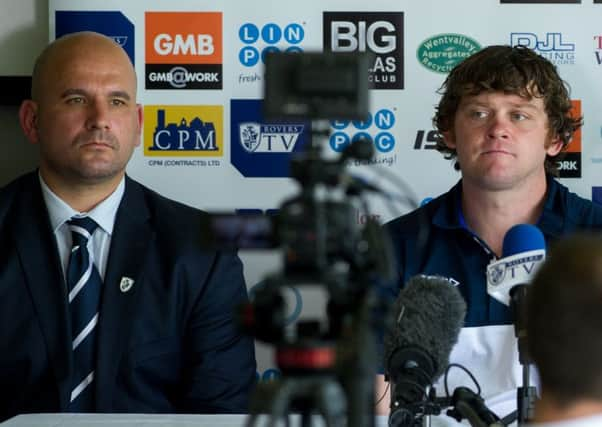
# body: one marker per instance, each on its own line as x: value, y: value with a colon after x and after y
x: 84, y: 285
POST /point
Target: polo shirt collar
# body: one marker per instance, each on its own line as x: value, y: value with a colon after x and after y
x: 449, y: 213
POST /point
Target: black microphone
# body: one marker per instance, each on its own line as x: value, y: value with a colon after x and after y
x: 429, y: 315
x: 469, y: 405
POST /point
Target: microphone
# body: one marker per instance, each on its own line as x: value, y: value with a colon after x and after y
x: 468, y: 404
x: 429, y: 315
x: 524, y: 252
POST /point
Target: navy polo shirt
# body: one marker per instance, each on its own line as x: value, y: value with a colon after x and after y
x: 435, y: 240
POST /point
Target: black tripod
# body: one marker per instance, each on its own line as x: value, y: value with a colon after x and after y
x: 526, y: 395
x: 306, y: 395
x: 329, y: 375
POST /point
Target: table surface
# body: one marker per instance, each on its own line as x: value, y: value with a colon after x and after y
x: 150, y: 420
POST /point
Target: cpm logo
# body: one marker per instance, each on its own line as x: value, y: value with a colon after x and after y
x: 261, y: 149
x: 271, y: 37
x: 378, y: 32
x: 112, y: 24
x: 183, y: 50
x: 570, y: 166
x: 183, y: 131
x: 551, y: 46
x: 375, y: 128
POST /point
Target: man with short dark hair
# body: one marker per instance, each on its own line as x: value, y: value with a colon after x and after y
x: 565, y: 334
x: 504, y: 117
x: 108, y: 300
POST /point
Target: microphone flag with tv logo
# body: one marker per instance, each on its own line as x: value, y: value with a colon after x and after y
x: 524, y: 251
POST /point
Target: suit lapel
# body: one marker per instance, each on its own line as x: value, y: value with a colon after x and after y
x: 37, y: 250
x: 131, y: 236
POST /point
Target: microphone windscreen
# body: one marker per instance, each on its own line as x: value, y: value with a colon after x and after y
x: 522, y: 238
x: 429, y: 314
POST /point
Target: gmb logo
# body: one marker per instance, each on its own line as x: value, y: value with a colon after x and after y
x: 269, y: 38
x: 376, y: 128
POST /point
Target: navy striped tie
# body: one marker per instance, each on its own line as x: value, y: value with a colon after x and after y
x: 84, y: 284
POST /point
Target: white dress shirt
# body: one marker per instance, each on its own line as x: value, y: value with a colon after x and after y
x: 104, y: 215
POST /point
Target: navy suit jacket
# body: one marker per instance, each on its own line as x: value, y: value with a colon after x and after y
x: 169, y: 344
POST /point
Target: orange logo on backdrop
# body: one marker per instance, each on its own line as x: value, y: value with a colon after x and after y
x: 183, y: 37
x: 575, y: 145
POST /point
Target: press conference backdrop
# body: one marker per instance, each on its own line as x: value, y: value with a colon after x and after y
x: 200, y: 78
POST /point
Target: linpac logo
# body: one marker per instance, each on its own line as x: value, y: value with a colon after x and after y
x: 183, y: 131
x: 261, y: 149
x: 113, y: 24
x: 570, y: 166
x: 270, y: 37
x: 376, y: 128
x: 443, y: 52
x: 551, y: 46
x: 378, y: 32
x: 183, y: 50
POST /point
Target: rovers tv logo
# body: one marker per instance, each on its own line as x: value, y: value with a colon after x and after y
x: 183, y: 131
x: 269, y: 138
x: 183, y: 50
x: 259, y: 148
x: 378, y: 32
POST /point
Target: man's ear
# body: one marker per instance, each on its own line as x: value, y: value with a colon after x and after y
x: 28, y: 118
x: 139, y: 121
x: 448, y: 138
x: 554, y: 146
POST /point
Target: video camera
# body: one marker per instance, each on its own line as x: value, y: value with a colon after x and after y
x: 317, y: 228
x: 325, y: 369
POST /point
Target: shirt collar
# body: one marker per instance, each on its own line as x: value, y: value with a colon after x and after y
x: 103, y: 213
x: 553, y: 215
x: 449, y: 214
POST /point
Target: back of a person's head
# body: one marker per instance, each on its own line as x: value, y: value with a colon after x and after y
x: 565, y: 320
